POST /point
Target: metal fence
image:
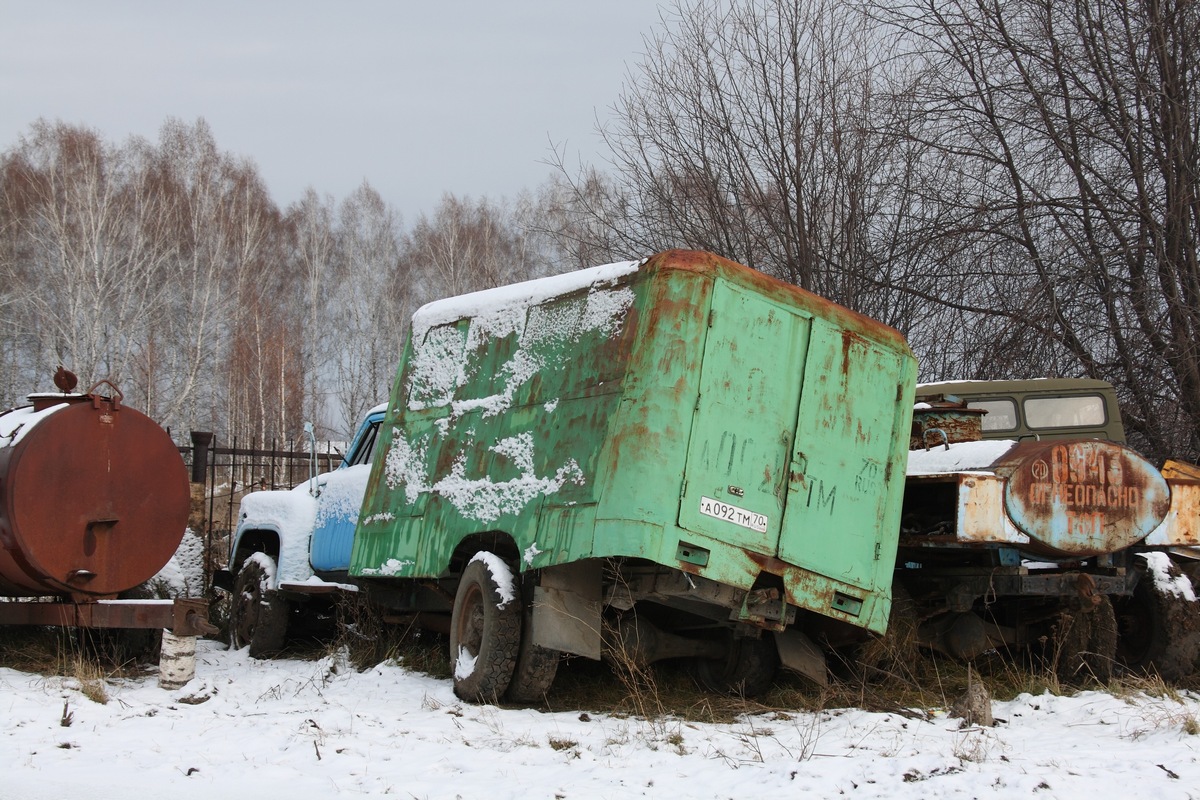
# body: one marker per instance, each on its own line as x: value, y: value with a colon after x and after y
x: 230, y: 472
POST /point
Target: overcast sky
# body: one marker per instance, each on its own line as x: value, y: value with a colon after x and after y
x: 418, y: 98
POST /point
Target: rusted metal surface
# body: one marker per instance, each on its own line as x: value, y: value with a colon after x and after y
x: 1060, y: 498
x: 981, y: 511
x: 1065, y: 497
x: 94, y: 499
x: 1181, y: 470
x: 1181, y: 527
x: 184, y: 616
x: 690, y: 412
x: 1083, y: 497
x: 939, y: 422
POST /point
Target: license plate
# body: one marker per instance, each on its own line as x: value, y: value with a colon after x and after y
x: 738, y: 516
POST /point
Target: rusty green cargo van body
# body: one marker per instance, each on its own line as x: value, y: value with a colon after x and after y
x: 731, y: 434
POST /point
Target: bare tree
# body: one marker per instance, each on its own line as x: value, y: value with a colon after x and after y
x: 465, y: 246
x: 578, y: 219
x: 96, y: 245
x: 313, y: 227
x: 757, y: 130
x: 1061, y: 150
x: 373, y: 301
x: 222, y: 221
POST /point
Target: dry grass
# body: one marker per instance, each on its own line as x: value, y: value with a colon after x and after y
x: 91, y: 678
x: 87, y: 661
x: 368, y: 639
x: 903, y: 680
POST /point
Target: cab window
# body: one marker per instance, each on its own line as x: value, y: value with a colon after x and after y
x: 1001, y: 416
x: 1065, y: 412
x: 366, y: 448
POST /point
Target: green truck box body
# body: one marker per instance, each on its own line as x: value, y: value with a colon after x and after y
x: 683, y: 410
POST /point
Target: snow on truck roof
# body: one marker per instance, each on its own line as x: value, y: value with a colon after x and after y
x: 518, y: 296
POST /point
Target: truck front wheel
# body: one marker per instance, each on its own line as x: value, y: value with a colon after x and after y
x: 258, y: 617
x: 485, y: 630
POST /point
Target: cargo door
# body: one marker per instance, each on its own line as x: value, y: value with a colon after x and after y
x: 736, y: 478
x: 845, y: 432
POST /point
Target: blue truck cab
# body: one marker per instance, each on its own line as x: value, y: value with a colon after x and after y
x: 290, y: 553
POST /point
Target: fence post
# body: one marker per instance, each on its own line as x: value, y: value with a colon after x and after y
x: 201, y: 440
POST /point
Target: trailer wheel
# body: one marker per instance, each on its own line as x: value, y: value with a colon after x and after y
x: 485, y: 630
x: 536, y: 666
x: 257, y: 616
x: 1158, y: 630
x: 1086, y: 643
x: 747, y: 670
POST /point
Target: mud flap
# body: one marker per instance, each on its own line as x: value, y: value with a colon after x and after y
x: 566, y: 609
x: 798, y: 653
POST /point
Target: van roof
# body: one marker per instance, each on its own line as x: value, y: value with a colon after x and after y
x: 1028, y: 385
x: 517, y: 296
x: 505, y: 302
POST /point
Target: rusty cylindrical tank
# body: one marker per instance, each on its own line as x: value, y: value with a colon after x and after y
x: 1082, y: 498
x: 94, y: 497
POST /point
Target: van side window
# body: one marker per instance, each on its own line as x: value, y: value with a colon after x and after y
x: 1064, y: 412
x: 1001, y: 416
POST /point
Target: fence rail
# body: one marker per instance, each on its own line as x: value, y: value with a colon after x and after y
x: 231, y: 472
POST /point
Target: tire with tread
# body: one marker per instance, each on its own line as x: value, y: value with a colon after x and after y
x: 485, y: 636
x: 536, y: 666
x: 258, y: 618
x: 748, y: 669
x: 1159, y: 631
x: 1087, y: 643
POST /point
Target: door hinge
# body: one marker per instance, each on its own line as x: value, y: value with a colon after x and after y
x: 712, y: 316
x: 878, y: 549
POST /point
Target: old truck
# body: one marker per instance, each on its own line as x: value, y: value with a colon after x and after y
x: 1028, y: 522
x: 290, y: 553
x: 676, y: 457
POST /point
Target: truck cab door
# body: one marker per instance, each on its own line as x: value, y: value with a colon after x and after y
x: 339, y: 501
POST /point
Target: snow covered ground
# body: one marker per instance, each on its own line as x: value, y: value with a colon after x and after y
x: 299, y: 729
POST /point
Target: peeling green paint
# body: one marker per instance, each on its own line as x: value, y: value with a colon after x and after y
x: 681, y: 406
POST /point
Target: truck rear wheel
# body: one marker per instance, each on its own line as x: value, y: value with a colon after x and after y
x: 536, y: 666
x: 747, y: 670
x: 1159, y: 631
x: 257, y: 617
x: 534, y: 673
x: 485, y: 630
